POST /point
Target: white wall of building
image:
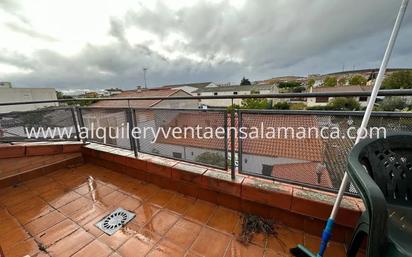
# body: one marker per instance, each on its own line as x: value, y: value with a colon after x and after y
x: 253, y: 163
x: 26, y: 94
x: 228, y: 102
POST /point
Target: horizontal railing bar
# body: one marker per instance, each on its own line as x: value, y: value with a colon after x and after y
x: 397, y: 92
x: 333, y: 112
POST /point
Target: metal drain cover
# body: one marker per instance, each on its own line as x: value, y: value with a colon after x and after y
x: 115, y: 221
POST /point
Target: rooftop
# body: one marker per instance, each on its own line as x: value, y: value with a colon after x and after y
x: 51, y: 201
x: 139, y: 93
x: 55, y: 215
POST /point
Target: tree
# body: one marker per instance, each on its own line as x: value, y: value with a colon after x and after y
x: 344, y: 104
x: 392, y: 103
x: 255, y: 103
x: 281, y: 106
x: 342, y: 81
x: 245, y: 81
x: 214, y: 159
x: 291, y: 84
x: 311, y: 82
x: 357, y: 80
x: 397, y: 80
x: 330, y: 81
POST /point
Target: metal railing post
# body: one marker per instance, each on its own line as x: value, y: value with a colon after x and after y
x: 131, y: 125
x: 239, y: 142
x: 81, y: 121
x: 75, y: 123
x: 232, y: 143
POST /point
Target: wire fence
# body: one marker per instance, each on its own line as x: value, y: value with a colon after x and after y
x: 39, y: 125
x: 183, y: 134
x: 315, y: 157
x: 108, y: 126
x: 305, y: 147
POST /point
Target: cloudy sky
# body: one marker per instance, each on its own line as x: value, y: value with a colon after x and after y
x: 96, y: 44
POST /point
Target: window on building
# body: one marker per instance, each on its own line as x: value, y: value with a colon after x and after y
x: 322, y: 99
x: 177, y: 155
x: 215, y: 93
x: 267, y: 169
x: 245, y: 160
x: 235, y: 93
x: 363, y: 99
x: 198, y: 94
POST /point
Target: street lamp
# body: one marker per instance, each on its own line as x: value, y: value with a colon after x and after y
x: 144, y: 75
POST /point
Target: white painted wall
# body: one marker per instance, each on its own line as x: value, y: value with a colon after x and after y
x: 26, y: 94
x: 227, y: 102
x: 253, y: 163
x: 311, y: 101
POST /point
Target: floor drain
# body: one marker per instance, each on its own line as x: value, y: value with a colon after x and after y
x: 115, y: 221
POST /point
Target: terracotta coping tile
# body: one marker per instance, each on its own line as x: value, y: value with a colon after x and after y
x: 318, y: 204
x: 222, y: 182
x: 188, y: 172
x: 11, y: 151
x: 34, y: 150
x: 267, y: 192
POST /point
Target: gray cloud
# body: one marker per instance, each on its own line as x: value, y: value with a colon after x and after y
x: 27, y: 30
x: 269, y: 37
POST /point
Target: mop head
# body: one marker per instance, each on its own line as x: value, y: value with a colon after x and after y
x: 301, y: 251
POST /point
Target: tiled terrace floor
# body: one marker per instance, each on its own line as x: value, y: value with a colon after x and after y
x: 54, y: 215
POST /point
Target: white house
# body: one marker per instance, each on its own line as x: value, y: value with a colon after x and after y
x: 314, y: 101
x: 228, y: 90
x: 11, y: 94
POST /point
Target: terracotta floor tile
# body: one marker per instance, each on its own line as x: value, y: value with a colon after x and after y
x: 139, y: 245
x: 162, y: 222
x: 166, y: 248
x: 161, y: 197
x: 200, y: 211
x: 44, y: 222
x: 43, y: 188
x: 74, y: 206
x: 57, y: 232
x: 333, y: 249
x: 192, y: 254
x: 202, y: 245
x: 271, y: 253
x: 115, y: 240
x: 224, y: 219
x: 113, y: 199
x: 30, y: 203
x: 180, y: 203
x: 236, y: 249
x: 145, y: 191
x: 286, y: 238
x: 14, y: 199
x: 144, y: 213
x: 27, y: 247
x: 64, y: 199
x: 130, y: 203
x: 25, y: 217
x: 12, y: 237
x: 183, y: 233
x: 91, y: 228
x: 94, y: 249
x: 70, y: 244
x: 88, y: 213
x: 100, y: 191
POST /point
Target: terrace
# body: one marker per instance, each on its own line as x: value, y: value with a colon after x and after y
x: 53, y: 192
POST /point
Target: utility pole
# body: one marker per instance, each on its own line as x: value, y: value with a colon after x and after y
x: 144, y: 75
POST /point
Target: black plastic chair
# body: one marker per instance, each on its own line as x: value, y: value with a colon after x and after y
x: 381, y: 171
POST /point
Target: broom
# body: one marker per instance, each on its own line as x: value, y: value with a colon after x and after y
x: 300, y: 250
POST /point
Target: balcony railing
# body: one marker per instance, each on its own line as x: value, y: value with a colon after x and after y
x: 316, y: 162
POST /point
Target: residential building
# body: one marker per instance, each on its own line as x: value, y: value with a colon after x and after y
x: 314, y: 101
x: 228, y: 90
x: 112, y: 92
x: 189, y: 87
x: 11, y: 94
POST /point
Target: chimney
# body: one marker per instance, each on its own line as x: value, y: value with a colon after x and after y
x: 319, y: 170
